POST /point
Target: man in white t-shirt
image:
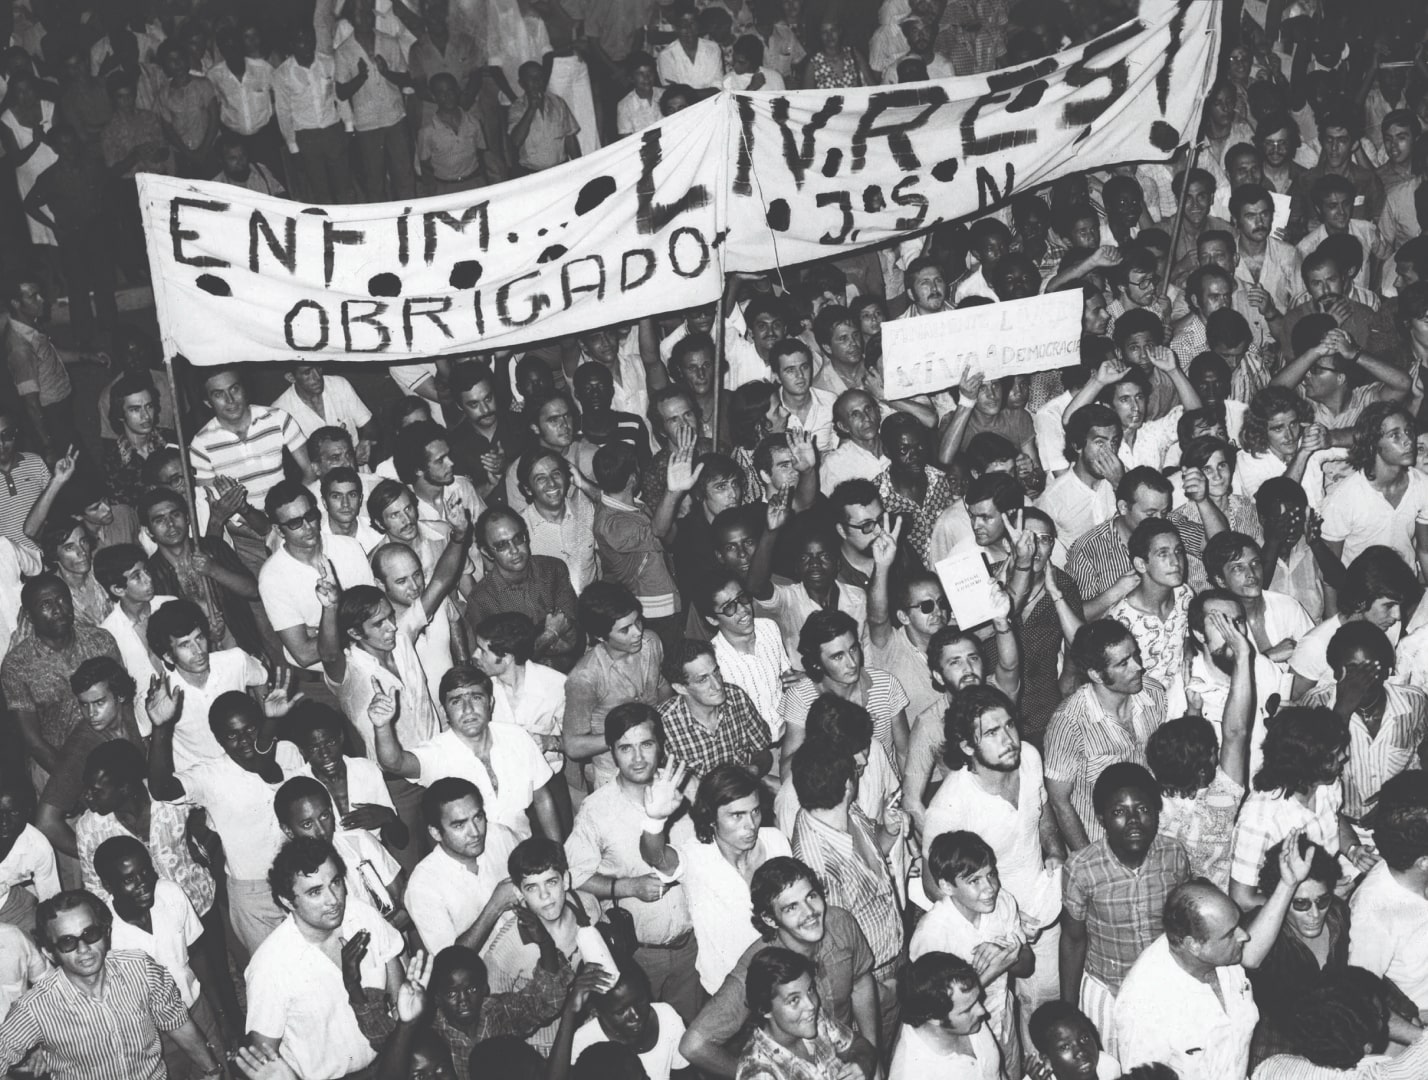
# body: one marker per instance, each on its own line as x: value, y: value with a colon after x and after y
x: 287, y: 583
x: 315, y: 400
x: 1084, y: 495
x: 502, y: 760
x: 178, y: 634
x: 300, y: 1003
x: 1385, y: 499
x: 624, y: 1014
x: 1389, y: 929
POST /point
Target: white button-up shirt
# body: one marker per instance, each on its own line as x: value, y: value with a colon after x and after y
x: 1165, y: 1014
x: 305, y: 98
x: 378, y: 102
x: 240, y: 805
x: 444, y: 897
x: 246, y: 104
x: 175, y: 927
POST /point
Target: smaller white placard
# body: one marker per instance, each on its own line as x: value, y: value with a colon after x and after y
x: 969, y: 588
x: 930, y: 353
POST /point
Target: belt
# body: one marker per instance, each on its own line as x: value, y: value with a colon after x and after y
x: 678, y: 943
x: 459, y: 179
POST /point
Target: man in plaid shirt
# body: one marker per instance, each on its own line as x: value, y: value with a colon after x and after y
x: 709, y: 722
x: 1113, y: 892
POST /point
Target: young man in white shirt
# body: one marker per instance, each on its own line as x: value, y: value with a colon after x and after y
x: 1084, y: 495
x: 155, y: 917
x: 288, y: 580
x: 459, y: 892
x: 122, y: 571
x: 307, y: 1000
x: 315, y: 400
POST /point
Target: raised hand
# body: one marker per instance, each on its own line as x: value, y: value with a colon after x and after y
x: 1197, y: 488
x: 1314, y: 438
x: 232, y: 497
x: 884, y: 547
x: 587, y: 981
x: 664, y: 795
x: 805, y: 455
x: 276, y: 701
x: 1294, y: 864
x: 411, y: 995
x: 327, y: 589
x: 1259, y: 298
x: 681, y: 472
x: 384, y: 706
x: 1112, y: 370
x: 64, y: 465
x: 1001, y: 603
x: 776, y: 517
x: 971, y: 384
x: 163, y: 702
x: 1163, y: 359
x: 354, y: 949
x: 1107, y: 256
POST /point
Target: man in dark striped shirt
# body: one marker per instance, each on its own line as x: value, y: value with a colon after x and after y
x: 98, y: 1014
x: 1099, y: 559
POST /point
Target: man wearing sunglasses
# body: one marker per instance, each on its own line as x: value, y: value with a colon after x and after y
x: 288, y: 581
x: 139, y: 1001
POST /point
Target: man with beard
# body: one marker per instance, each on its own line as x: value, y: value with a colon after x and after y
x: 1267, y: 268
x: 35, y: 673
x: 995, y: 788
x: 1327, y: 290
x: 537, y: 586
x: 445, y: 499
x: 954, y: 658
x: 487, y: 438
x: 139, y: 998
x: 1108, y: 719
x: 457, y: 894
x: 1113, y: 892
x: 605, y: 861
x: 319, y: 988
x: 1187, y: 1002
x: 154, y: 917
x: 237, y: 791
x: 1385, y: 499
x: 791, y: 912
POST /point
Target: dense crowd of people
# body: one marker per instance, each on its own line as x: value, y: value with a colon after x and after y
x: 596, y: 710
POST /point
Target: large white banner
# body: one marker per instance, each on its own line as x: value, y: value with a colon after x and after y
x: 651, y: 223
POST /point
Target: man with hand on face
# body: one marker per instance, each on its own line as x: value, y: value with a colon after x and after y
x: 1085, y: 494
x: 605, y: 861
x: 155, y: 918
x: 1387, y: 721
x: 1327, y: 292
x: 140, y: 1002
x: 319, y: 988
x: 1187, y: 1002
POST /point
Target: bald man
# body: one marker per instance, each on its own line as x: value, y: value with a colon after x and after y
x: 1187, y: 1002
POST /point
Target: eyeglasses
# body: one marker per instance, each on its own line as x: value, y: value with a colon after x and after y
x: 863, y: 527
x: 1321, y: 904
x: 727, y: 609
x: 92, y: 934
x: 312, y: 517
x: 927, y: 607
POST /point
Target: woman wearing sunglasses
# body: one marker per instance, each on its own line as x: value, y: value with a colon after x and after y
x: 1300, y: 935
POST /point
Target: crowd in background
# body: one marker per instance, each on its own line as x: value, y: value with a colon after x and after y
x: 596, y: 709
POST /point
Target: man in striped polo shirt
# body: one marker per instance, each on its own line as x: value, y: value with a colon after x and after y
x: 244, y: 442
